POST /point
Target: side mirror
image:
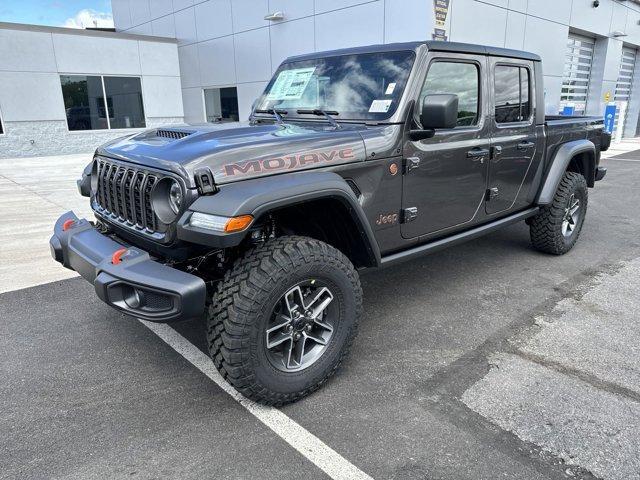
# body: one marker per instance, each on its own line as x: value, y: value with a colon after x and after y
x: 439, y: 111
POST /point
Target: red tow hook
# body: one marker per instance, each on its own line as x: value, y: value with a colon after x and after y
x: 116, y: 258
x: 68, y: 224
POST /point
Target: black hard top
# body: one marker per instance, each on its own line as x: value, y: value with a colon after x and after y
x: 432, y: 45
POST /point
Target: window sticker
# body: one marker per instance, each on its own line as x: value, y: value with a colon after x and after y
x: 390, y: 88
x: 290, y: 84
x: 380, y: 106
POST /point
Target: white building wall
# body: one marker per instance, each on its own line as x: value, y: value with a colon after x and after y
x: 31, y: 102
x: 228, y: 42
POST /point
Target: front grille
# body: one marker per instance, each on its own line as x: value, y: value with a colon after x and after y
x: 124, y: 194
x: 175, y: 134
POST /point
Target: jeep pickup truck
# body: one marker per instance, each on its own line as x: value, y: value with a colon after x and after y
x: 351, y: 160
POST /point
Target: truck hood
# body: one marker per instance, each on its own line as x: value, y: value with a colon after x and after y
x: 238, y: 151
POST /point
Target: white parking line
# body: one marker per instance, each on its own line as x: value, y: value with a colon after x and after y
x: 310, y: 446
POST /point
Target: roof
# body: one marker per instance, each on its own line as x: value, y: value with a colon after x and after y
x: 433, y: 45
x: 25, y: 27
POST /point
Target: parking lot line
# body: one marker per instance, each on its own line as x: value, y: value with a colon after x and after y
x: 310, y: 446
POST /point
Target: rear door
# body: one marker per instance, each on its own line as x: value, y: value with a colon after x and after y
x: 513, y: 132
x: 445, y: 176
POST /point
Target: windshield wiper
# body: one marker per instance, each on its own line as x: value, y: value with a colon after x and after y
x: 275, y: 112
x: 320, y: 112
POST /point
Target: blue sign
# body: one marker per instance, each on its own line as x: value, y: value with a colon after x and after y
x: 609, y: 117
x: 568, y: 110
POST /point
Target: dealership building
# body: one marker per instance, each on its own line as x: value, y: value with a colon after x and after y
x: 170, y: 61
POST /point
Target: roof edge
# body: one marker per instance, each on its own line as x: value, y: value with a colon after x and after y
x: 433, y: 45
x: 25, y: 27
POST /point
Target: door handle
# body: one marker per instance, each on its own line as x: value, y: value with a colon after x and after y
x: 477, y: 153
x: 526, y: 145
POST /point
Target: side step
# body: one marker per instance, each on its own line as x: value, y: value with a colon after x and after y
x: 461, y: 237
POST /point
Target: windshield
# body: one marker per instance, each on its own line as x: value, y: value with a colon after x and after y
x: 364, y: 86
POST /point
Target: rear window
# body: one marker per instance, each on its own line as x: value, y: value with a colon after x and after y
x: 512, y: 94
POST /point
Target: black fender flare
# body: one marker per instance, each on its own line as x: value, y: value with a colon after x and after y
x: 559, y: 166
x: 259, y: 196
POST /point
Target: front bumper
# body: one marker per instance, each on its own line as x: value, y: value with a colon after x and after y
x: 136, y: 285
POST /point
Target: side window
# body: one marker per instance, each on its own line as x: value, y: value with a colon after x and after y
x: 461, y: 79
x: 512, y: 94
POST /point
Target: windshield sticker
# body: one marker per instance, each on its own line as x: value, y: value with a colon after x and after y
x: 380, y: 106
x: 390, y: 88
x: 291, y: 84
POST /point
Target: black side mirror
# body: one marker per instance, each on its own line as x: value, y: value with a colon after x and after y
x: 439, y: 111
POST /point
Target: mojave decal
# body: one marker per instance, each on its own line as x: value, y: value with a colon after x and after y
x: 288, y: 162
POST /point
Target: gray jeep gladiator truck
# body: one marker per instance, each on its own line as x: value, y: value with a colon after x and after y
x: 351, y: 160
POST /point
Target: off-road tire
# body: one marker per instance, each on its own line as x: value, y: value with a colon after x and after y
x: 242, y: 305
x: 546, y: 226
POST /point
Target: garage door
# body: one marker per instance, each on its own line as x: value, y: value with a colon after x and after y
x: 577, y: 70
x: 625, y: 80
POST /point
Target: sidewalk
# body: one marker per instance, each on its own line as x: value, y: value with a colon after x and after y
x: 34, y: 192
x: 626, y: 146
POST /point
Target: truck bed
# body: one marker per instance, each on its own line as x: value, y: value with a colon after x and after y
x: 560, y: 129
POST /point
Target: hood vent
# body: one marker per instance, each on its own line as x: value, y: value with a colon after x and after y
x: 174, y: 134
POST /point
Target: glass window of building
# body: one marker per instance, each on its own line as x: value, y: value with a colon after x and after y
x: 98, y: 103
x: 124, y: 102
x: 221, y: 104
x: 456, y: 78
x: 84, y: 102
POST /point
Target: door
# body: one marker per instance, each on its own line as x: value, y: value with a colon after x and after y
x: 577, y: 73
x: 623, y: 85
x: 445, y: 176
x: 513, y: 133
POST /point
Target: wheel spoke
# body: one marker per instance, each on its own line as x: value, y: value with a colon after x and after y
x: 279, y: 339
x: 293, y: 300
x: 574, y: 209
x: 296, y: 352
x: 282, y: 321
x: 288, y: 354
x: 324, y: 325
x: 319, y: 302
x: 315, y: 338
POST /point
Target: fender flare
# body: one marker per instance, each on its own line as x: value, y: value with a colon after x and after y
x: 262, y: 195
x: 559, y: 165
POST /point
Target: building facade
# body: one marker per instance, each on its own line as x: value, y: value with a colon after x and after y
x: 228, y: 49
x: 67, y: 91
x: 169, y: 61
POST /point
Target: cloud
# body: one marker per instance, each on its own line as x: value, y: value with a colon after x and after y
x: 89, y: 18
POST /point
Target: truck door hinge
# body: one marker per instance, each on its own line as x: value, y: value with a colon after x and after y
x: 492, y: 193
x: 409, y: 214
x: 411, y: 163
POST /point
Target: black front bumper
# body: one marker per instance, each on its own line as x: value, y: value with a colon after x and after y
x: 137, y: 285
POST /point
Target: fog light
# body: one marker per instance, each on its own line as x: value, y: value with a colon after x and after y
x: 218, y: 223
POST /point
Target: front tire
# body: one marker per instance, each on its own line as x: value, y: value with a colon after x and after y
x: 557, y: 227
x: 283, y: 319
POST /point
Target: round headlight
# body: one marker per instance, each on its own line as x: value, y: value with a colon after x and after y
x: 175, y: 197
x: 167, y: 199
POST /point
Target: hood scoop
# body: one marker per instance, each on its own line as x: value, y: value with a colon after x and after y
x: 173, y: 134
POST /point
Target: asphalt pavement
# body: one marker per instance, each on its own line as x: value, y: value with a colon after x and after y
x: 459, y: 354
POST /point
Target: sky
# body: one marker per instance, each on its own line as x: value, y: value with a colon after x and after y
x: 60, y: 13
